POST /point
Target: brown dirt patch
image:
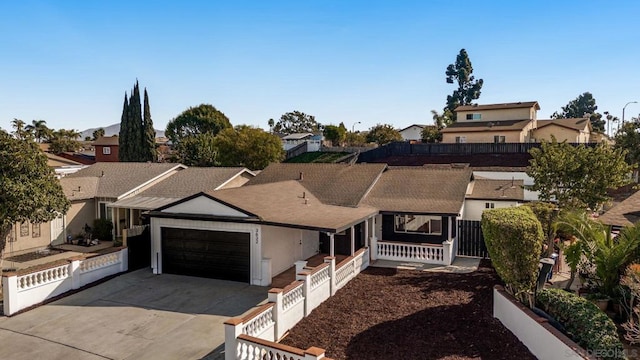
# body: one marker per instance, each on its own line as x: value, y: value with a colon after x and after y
x: 403, y: 314
x: 34, y: 255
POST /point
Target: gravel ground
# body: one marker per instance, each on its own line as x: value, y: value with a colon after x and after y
x: 404, y: 314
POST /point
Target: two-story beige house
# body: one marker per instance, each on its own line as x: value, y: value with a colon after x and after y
x: 509, y: 122
x: 513, y: 123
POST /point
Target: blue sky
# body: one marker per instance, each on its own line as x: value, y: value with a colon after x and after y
x: 70, y: 62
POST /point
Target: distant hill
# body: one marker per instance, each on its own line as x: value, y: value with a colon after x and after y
x: 110, y: 131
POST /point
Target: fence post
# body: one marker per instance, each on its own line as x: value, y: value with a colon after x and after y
x: 300, y: 265
x: 124, y: 237
x: 446, y: 252
x: 313, y: 353
x: 232, y: 329
x: 306, y: 289
x: 275, y: 296
x: 10, y: 293
x: 124, y: 259
x: 332, y: 273
x: 74, y: 271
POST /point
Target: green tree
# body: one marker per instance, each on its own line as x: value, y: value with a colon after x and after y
x: 296, y: 122
x: 98, y: 133
x: 468, y: 87
x: 583, y: 105
x: 201, y: 119
x: 124, y: 138
x: 628, y: 139
x: 136, y: 151
x: 198, y: 150
x: 63, y: 140
x: 149, y: 133
x: 271, y: 123
x: 355, y: 139
x: 577, y: 176
x: 20, y: 132
x: 383, y: 134
x: 39, y: 130
x: 30, y: 190
x: 335, y: 134
x: 247, y: 146
x: 433, y: 134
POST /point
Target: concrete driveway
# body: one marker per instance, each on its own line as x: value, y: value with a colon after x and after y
x: 134, y: 316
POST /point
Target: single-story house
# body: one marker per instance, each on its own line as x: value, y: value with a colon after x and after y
x: 626, y: 213
x: 413, y: 132
x: 314, y: 141
x: 485, y: 194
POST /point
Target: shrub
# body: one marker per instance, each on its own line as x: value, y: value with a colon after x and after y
x: 102, y: 229
x: 583, y: 321
x: 514, y: 240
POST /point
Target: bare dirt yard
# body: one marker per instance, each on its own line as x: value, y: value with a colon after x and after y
x: 404, y: 314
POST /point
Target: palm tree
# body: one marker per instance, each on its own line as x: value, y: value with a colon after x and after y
x: 39, y: 130
x: 98, y: 133
x: 20, y: 131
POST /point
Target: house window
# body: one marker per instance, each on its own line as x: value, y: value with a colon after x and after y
x: 489, y: 205
x: 35, y: 230
x: 421, y: 224
x: 24, y: 229
x: 474, y: 117
x: 461, y: 139
x: 106, y: 150
x: 499, y: 139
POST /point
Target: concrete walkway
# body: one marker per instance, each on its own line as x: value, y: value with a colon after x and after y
x: 461, y: 265
x: 134, y: 316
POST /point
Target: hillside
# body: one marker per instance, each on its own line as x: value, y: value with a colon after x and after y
x: 111, y: 130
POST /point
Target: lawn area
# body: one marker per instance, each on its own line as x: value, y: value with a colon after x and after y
x: 317, y: 157
x: 403, y: 314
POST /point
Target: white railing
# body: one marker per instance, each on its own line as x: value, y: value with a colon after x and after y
x: 252, y: 337
x: 21, y: 291
x: 423, y: 253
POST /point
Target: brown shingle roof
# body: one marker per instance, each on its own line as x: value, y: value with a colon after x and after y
x: 79, y: 188
x: 58, y: 161
x: 491, y: 189
x: 283, y: 203
x: 625, y: 213
x: 575, y: 124
x: 514, y: 105
x: 335, y: 184
x: 420, y: 190
x: 479, y: 126
x: 107, y: 141
x: 116, y: 179
x: 192, y: 181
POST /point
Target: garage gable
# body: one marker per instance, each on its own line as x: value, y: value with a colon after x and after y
x: 202, y: 204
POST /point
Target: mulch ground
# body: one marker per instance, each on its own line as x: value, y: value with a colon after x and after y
x: 34, y: 255
x: 403, y: 314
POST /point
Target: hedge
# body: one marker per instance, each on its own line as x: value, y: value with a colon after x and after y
x: 583, y: 321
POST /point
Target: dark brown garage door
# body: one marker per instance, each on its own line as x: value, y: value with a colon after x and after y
x: 211, y: 254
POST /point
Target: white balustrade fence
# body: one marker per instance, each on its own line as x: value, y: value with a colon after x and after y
x: 423, y: 253
x: 21, y: 291
x: 253, y: 337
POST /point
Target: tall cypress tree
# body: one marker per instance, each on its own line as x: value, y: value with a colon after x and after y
x: 123, y: 137
x: 137, y: 153
x: 149, y: 134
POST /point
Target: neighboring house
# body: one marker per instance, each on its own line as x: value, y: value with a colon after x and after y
x: 115, y: 181
x: 508, y: 174
x: 25, y: 237
x: 493, y: 123
x: 63, y: 166
x: 314, y: 142
x: 627, y: 212
x: 485, y: 194
x: 413, y: 132
x: 106, y: 148
x: 81, y: 192
x: 569, y: 130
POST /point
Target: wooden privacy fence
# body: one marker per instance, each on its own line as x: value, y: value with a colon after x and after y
x: 470, y: 239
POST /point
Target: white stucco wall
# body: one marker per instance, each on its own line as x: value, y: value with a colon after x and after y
x: 508, y: 175
x: 285, y: 246
x: 473, y: 208
x: 412, y: 133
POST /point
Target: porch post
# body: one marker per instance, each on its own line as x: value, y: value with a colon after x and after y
x: 130, y: 218
x: 117, y: 218
x: 450, y: 227
x: 331, y: 245
x: 353, y: 240
x: 366, y: 232
x: 373, y: 251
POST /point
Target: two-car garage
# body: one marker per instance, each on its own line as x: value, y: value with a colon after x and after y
x: 206, y: 253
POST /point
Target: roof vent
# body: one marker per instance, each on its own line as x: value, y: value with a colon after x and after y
x: 301, y: 176
x: 102, y: 173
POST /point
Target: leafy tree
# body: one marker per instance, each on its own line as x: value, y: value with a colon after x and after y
x: 247, y: 146
x: 468, y: 87
x: 433, y: 134
x: 579, y: 107
x: 271, y: 123
x: 20, y: 132
x: 98, y: 133
x: 628, y: 139
x: 39, y: 130
x: 64, y: 140
x: 577, y: 176
x: 355, y: 139
x: 197, y: 150
x: 149, y: 134
x: 201, y: 119
x: 335, y: 134
x: 30, y: 190
x: 297, y: 122
x: 135, y: 126
x: 383, y: 134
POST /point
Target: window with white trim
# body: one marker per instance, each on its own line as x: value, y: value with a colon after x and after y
x: 106, y: 150
x: 461, y: 139
x: 489, y: 205
x: 474, y: 116
x: 420, y: 224
x: 499, y: 139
